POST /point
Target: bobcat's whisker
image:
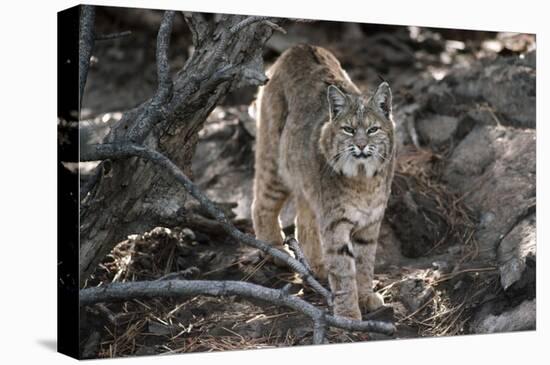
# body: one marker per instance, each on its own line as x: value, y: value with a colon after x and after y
x: 379, y: 155
x: 335, y: 159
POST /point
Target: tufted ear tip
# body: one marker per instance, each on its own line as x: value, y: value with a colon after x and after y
x: 336, y: 100
x: 382, y: 99
x: 384, y: 87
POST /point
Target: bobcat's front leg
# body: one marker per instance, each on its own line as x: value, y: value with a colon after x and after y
x: 364, y: 245
x: 340, y: 265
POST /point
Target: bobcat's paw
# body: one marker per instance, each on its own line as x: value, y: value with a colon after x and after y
x: 351, y: 313
x: 372, y: 302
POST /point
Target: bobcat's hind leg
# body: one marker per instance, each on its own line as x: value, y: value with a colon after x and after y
x: 307, y: 233
x: 269, y: 198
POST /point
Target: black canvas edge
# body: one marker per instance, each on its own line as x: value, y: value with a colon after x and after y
x: 67, y: 183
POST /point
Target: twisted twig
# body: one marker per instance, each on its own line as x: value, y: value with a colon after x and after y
x: 153, y: 113
x: 297, y: 249
x: 117, y: 151
x: 86, y: 39
x: 181, y: 288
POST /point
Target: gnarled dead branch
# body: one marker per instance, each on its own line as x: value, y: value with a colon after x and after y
x: 153, y: 112
x: 121, y: 151
x: 182, y: 288
x: 227, y: 54
x: 86, y: 39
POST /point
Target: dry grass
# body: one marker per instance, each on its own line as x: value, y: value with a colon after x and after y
x: 194, y: 324
x: 421, y: 171
x: 447, y: 313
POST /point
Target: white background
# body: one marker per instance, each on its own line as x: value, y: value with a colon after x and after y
x: 28, y: 179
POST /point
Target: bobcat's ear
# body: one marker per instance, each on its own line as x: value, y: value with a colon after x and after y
x: 382, y: 99
x: 336, y: 101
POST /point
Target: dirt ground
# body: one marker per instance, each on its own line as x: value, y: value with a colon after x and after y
x: 457, y: 249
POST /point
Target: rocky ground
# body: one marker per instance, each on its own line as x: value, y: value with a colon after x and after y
x: 457, y: 252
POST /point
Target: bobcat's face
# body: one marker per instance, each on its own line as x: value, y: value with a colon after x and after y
x: 358, y: 138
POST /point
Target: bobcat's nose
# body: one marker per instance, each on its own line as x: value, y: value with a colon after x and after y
x: 360, y: 150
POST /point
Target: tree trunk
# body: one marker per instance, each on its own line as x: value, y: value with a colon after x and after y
x: 132, y: 195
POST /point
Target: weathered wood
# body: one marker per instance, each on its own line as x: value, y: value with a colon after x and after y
x: 124, y: 150
x: 132, y: 196
x: 185, y: 288
x: 86, y: 39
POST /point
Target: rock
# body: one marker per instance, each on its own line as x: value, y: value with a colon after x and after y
x: 515, y: 249
x: 441, y: 266
x: 494, y: 167
x: 508, y: 84
x: 404, y: 116
x: 521, y: 318
x: 471, y: 156
x: 440, y: 98
x: 437, y: 129
x: 504, y: 88
x: 474, y: 116
x: 187, y: 235
x: 511, y: 91
x: 482, y: 115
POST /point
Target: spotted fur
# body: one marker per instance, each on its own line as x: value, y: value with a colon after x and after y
x: 332, y: 149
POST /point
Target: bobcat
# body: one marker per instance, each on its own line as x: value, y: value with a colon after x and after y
x: 322, y: 142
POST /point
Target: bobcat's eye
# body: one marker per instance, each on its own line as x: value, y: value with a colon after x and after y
x: 372, y: 130
x: 348, y: 130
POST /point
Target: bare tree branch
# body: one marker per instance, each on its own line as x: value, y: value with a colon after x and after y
x: 86, y: 41
x: 269, y: 21
x: 153, y: 113
x: 275, y: 26
x: 177, y: 120
x: 246, y: 22
x: 320, y: 329
x: 297, y: 249
x: 302, y: 20
x: 118, y: 151
x: 228, y: 35
x: 163, y: 67
x: 109, y: 36
x: 181, y: 288
x: 199, y: 27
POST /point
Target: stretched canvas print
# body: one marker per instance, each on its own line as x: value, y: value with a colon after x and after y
x: 232, y: 182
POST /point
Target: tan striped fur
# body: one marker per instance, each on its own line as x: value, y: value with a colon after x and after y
x: 331, y: 148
